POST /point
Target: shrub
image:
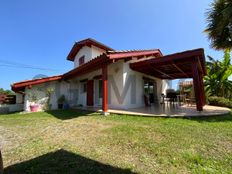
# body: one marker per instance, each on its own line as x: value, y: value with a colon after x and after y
x: 220, y: 101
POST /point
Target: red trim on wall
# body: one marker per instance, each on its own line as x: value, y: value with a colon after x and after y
x: 90, y: 93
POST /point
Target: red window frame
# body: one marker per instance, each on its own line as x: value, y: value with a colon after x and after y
x: 81, y: 60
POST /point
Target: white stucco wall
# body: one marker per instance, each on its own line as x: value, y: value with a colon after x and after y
x: 19, y: 98
x: 60, y: 88
x: 115, y: 76
x: 96, y: 51
x: 84, y: 51
x: 166, y: 85
x: 89, y: 53
x: 133, y: 96
x: 81, y: 100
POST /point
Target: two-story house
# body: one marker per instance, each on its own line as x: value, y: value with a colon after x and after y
x: 106, y: 78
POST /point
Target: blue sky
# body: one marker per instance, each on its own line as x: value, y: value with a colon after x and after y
x: 41, y: 33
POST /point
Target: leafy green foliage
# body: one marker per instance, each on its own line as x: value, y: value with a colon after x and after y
x: 219, y: 28
x: 7, y: 92
x: 217, y: 81
x: 220, y: 101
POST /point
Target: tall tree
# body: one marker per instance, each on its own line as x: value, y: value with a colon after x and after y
x: 217, y: 82
x: 219, y: 24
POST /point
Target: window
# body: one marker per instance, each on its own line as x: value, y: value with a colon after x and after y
x: 83, y: 87
x: 81, y: 60
x: 100, y: 88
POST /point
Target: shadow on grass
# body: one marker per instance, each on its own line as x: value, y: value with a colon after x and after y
x: 63, y: 162
x: 69, y: 113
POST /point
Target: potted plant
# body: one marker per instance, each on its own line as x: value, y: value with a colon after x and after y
x: 61, y: 101
x: 33, y: 106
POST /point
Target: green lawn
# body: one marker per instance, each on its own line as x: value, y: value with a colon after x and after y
x: 79, y: 142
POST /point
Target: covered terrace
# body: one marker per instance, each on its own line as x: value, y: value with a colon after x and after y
x: 188, y: 64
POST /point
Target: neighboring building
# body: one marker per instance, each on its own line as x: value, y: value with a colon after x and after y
x: 103, y: 77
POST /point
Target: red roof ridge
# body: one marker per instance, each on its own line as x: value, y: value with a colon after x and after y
x: 134, y: 50
x: 93, y: 40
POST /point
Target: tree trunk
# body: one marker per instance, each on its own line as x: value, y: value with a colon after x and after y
x: 1, y: 163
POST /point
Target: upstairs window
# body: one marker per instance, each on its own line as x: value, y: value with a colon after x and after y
x: 81, y: 60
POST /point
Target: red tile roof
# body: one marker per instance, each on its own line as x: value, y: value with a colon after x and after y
x: 21, y: 85
x: 133, y: 53
x: 92, y: 65
x: 86, y: 42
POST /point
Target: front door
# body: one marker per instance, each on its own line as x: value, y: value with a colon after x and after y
x: 90, y: 93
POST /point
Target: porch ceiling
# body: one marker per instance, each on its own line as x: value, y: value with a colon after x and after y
x: 172, y: 66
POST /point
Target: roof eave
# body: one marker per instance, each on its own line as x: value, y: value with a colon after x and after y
x: 86, y: 42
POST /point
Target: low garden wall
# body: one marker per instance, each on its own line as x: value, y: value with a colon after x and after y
x: 8, y: 108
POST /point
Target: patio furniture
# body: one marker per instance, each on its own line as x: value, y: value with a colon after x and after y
x: 190, y: 101
x: 181, y: 98
x: 171, y: 96
x: 190, y: 98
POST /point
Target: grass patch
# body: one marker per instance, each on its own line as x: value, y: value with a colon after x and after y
x: 70, y: 141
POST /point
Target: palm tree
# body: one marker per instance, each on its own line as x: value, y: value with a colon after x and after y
x: 217, y: 81
x: 219, y: 27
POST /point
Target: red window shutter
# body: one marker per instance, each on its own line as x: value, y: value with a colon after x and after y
x: 81, y: 60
